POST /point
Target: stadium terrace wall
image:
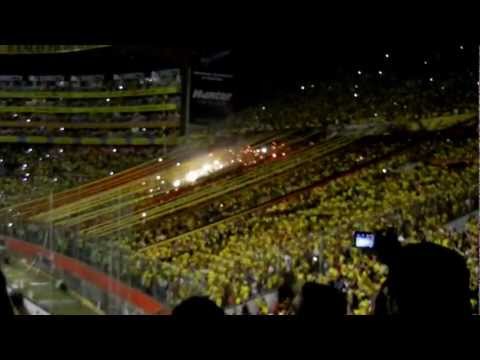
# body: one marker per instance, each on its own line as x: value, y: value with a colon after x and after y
x: 87, y: 110
x: 112, y: 296
x: 87, y: 94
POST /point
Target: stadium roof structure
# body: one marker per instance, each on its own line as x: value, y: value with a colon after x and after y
x: 16, y: 59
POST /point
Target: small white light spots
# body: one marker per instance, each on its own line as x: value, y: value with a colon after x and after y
x: 160, y: 159
x: 461, y: 47
x: 425, y: 62
x: 380, y: 72
x: 264, y: 108
x: 10, y: 225
x: 107, y: 100
x: 158, y: 177
x: 114, y: 150
x: 177, y: 183
x: 302, y: 87
x: 355, y: 95
x: 120, y: 87
x: 55, y: 179
x: 384, y: 171
x: 387, y: 56
x: 359, y: 72
x: 60, y: 151
x: 111, y: 173
x: 28, y: 120
x: 144, y: 215
x: 62, y: 129
x: 179, y: 164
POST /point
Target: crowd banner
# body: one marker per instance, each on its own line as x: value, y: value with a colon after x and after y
x: 119, y: 141
x: 87, y: 110
x: 38, y: 49
x: 39, y: 94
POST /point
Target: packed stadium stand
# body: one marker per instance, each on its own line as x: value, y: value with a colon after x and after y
x: 102, y: 189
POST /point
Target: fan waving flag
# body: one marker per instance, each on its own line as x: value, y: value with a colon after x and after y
x: 45, y: 49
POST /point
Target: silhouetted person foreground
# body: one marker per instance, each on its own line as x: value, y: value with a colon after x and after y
x: 424, y: 279
x: 322, y: 301
x: 6, y: 309
x: 197, y: 307
x: 18, y: 302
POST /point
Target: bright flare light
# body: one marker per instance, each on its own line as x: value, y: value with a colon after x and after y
x: 177, y: 183
x: 192, y: 176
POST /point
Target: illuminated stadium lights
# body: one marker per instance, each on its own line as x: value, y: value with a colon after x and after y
x: 284, y: 154
x: 163, y: 182
x: 29, y: 150
x: 177, y: 183
x: 221, y: 206
x: 387, y: 56
x: 302, y: 87
x: 120, y: 87
x: 150, y: 191
x: 384, y: 171
x: 1, y: 160
x: 431, y: 79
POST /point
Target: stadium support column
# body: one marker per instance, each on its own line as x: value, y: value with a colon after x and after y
x: 188, y: 101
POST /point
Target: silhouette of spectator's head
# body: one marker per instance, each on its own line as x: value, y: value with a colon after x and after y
x: 427, y: 279
x: 322, y: 300
x: 197, y: 307
x: 5, y: 304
